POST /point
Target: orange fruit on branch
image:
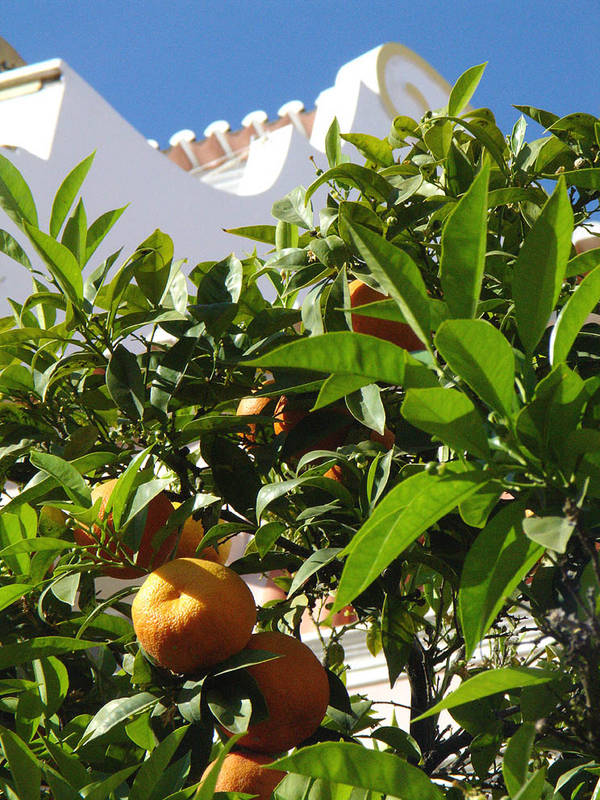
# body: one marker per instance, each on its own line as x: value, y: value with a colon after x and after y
x: 396, y: 332
x: 245, y: 772
x: 251, y: 406
x: 296, y: 691
x: 192, y: 533
x: 325, y: 429
x: 191, y: 614
x: 111, y: 548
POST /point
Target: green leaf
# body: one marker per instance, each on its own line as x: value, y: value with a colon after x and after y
x: 65, y: 196
x: 464, y: 88
x: 448, y: 414
x: 341, y: 353
x: 258, y: 233
x: 490, y: 682
x: 65, y: 474
x: 516, y: 758
x: 367, y: 181
x: 573, y: 316
x: 206, y: 790
x: 266, y: 536
x: 99, y: 229
x: 373, y: 149
x: 24, y: 766
x: 12, y: 592
x: 552, y: 533
x: 366, y: 406
x: 15, y: 196
x: 338, y: 386
x: 406, y: 512
x: 333, y: 149
x: 11, y: 248
x: 153, y: 267
x: 398, y: 275
x: 294, y: 208
x: 125, y: 383
x: 75, y: 233
x: 397, y: 634
x: 541, y: 265
x: 533, y: 787
x: 497, y: 561
x: 61, y: 262
x: 464, y: 240
x: 153, y: 767
x: 11, y: 655
x: 114, y: 713
x: 100, y: 790
x: 480, y: 355
x: 53, y: 683
x: 313, y: 563
x: 354, y: 765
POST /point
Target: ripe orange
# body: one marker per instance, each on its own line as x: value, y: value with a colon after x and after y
x: 396, y: 332
x: 245, y: 772
x: 296, y: 691
x: 148, y: 557
x: 192, y: 533
x: 288, y: 413
x: 249, y: 406
x: 190, y: 614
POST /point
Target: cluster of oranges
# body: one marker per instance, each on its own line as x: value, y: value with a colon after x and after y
x: 289, y: 413
x: 189, y: 615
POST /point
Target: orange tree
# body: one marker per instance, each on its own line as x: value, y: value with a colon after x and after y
x: 468, y: 549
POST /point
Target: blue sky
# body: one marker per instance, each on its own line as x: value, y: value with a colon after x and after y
x: 166, y: 66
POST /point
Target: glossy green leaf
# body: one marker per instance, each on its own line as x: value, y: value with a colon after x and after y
x: 516, y: 758
x: 398, y: 275
x: 258, y: 233
x: 341, y: 353
x: 65, y: 474
x: 101, y: 790
x: 490, y: 682
x: 448, y: 414
x: 125, y: 383
x: 313, y: 563
x: 206, y: 790
x: 354, y: 765
x: 552, y: 533
x: 497, y: 561
x: 99, y: 229
x: 153, y: 767
x: 481, y: 356
x: 116, y: 712
x: 23, y: 764
x: 366, y: 406
x: 11, y: 655
x: 153, y: 265
x: 541, y: 265
x: 294, y: 208
x: 464, y: 88
x: 12, y: 592
x: 401, y: 517
x: 337, y: 386
x: 333, y: 149
x: 15, y: 196
x: 53, y: 683
x: 11, y: 248
x: 61, y: 262
x: 373, y: 149
x: 65, y: 196
x: 367, y: 181
x: 464, y: 244
x: 573, y: 316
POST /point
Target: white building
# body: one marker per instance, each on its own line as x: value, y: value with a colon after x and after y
x: 51, y: 119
